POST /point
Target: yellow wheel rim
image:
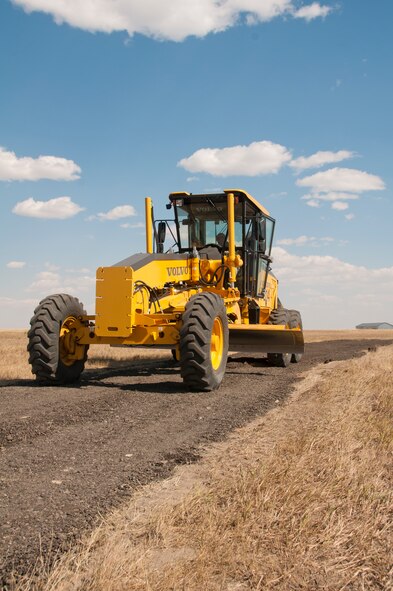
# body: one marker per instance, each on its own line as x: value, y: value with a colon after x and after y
x: 67, y: 343
x: 217, y: 343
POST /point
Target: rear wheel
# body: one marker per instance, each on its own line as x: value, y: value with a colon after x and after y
x: 55, y: 356
x: 204, y: 339
x: 279, y: 316
x: 295, y: 321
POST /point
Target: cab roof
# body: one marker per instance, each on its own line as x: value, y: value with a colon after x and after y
x: 236, y: 192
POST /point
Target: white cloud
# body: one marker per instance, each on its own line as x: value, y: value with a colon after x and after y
x: 133, y: 226
x: 82, y: 270
x: 16, y: 313
x: 51, y: 266
x: 305, y: 241
x: 59, y: 208
x: 172, y: 19
x: 258, y: 158
x: 47, y: 282
x: 332, y: 196
x: 339, y: 185
x: 26, y: 168
x: 342, y: 179
x: 340, y: 205
x: 16, y: 264
x: 332, y: 293
x: 313, y: 203
x: 320, y: 159
x: 312, y: 11
x: 350, y: 216
x: 116, y: 213
x: 300, y: 241
x: 192, y: 179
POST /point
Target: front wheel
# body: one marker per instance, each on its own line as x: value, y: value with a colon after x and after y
x: 204, y: 338
x: 55, y: 355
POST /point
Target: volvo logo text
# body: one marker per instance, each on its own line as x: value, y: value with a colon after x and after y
x: 174, y: 271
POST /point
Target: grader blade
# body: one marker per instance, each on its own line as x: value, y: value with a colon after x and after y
x: 265, y: 339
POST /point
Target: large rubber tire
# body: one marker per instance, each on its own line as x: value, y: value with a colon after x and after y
x: 204, y: 338
x: 44, y: 340
x: 295, y: 321
x: 279, y: 316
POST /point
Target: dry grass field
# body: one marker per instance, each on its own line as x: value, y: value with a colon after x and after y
x: 14, y: 357
x: 314, y: 336
x: 299, y: 499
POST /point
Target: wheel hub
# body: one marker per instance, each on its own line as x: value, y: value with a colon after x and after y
x: 217, y: 343
x: 69, y: 348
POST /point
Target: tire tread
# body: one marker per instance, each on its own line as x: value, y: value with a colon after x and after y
x: 279, y: 316
x: 43, y: 339
x: 195, y: 334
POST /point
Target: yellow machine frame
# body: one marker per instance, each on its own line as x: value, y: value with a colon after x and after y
x: 126, y: 317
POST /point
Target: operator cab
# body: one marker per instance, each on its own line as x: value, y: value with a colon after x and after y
x: 202, y: 223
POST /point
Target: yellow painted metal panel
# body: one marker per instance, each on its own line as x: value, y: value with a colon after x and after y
x: 114, y: 289
x: 157, y: 336
x: 231, y: 237
x: 149, y: 225
x: 161, y: 271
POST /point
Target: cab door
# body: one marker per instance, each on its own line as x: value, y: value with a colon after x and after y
x: 257, y: 252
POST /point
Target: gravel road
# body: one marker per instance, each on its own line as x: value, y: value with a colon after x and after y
x: 69, y: 454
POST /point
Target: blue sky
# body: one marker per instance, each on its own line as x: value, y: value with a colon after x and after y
x: 104, y: 105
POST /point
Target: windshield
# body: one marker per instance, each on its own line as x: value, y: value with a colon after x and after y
x: 205, y: 222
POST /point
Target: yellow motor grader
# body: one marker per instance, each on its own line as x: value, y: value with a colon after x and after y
x: 212, y: 290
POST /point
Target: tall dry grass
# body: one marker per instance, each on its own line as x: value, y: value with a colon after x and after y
x: 300, y: 499
x: 14, y: 357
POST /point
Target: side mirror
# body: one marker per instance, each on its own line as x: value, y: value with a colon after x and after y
x: 161, y: 233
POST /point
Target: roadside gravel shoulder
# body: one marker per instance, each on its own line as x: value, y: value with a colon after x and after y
x: 69, y: 455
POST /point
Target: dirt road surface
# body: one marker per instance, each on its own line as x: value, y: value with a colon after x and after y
x: 69, y: 454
